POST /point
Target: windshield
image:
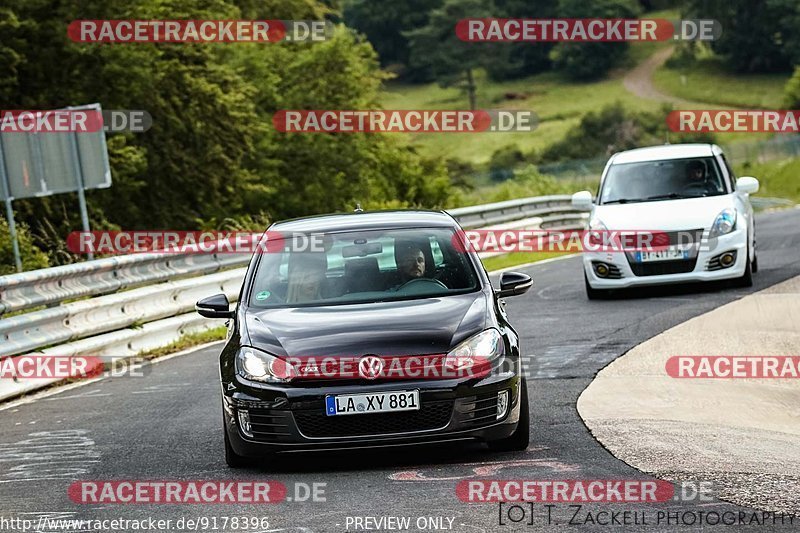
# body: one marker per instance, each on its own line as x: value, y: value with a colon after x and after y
x: 365, y: 266
x: 662, y: 180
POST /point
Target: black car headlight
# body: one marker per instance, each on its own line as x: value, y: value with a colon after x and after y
x: 476, y: 352
x: 255, y: 365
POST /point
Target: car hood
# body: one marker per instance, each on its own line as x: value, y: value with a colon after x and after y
x: 428, y: 326
x: 667, y: 215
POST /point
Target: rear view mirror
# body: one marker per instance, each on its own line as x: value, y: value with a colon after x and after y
x: 362, y: 250
x: 514, y: 284
x: 747, y: 184
x: 582, y: 200
x: 216, y: 306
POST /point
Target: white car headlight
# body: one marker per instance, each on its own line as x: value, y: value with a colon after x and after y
x: 256, y: 365
x: 477, y: 350
x: 597, y: 224
x: 597, y: 232
x: 724, y: 223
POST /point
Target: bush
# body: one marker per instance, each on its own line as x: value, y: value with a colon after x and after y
x: 503, y: 162
x: 613, y: 129
x: 32, y: 257
x: 527, y: 182
x: 792, y: 91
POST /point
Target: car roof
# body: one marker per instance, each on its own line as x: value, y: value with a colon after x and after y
x: 666, y: 151
x: 366, y: 220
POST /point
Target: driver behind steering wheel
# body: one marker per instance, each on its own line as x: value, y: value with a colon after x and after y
x: 410, y: 263
x: 697, y: 178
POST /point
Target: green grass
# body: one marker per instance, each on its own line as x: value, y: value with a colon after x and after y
x: 520, y: 188
x: 498, y: 262
x: 559, y: 103
x: 778, y: 179
x: 707, y: 81
x: 187, y: 341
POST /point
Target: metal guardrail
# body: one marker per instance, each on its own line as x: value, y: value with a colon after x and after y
x: 143, y: 301
x: 84, y: 318
x: 104, y: 276
x: 496, y: 213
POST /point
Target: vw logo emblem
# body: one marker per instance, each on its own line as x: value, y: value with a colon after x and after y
x: 370, y: 367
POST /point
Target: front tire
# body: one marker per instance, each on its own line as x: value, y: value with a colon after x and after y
x: 519, y: 440
x: 594, y: 294
x: 232, y: 459
x: 747, y: 278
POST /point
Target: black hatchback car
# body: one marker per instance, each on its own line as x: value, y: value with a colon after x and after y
x: 378, y: 329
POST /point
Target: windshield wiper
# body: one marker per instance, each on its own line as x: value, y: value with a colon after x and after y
x: 666, y: 196
x: 622, y: 201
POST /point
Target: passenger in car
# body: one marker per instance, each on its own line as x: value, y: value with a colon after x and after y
x: 306, y: 277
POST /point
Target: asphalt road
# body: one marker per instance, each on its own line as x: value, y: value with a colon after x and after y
x: 167, y: 425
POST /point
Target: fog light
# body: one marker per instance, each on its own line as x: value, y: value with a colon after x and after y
x: 244, y: 422
x: 601, y: 269
x: 502, y: 404
x: 727, y: 259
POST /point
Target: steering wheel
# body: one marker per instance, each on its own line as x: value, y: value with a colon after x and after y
x: 701, y: 187
x: 422, y: 280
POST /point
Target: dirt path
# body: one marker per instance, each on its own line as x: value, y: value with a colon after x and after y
x: 639, y: 81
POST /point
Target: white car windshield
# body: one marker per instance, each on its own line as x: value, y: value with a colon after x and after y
x: 651, y: 181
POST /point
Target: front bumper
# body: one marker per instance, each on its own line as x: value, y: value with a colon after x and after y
x: 290, y: 419
x: 702, y: 269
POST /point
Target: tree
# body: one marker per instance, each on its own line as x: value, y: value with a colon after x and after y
x: 586, y: 61
x: 315, y: 172
x: 211, y: 156
x: 756, y: 36
x: 436, y: 46
x: 386, y: 24
x: 516, y: 60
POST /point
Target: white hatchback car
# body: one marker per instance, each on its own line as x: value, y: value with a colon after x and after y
x: 689, y: 194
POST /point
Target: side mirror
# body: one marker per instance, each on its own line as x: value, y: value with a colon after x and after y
x: 747, y: 184
x: 514, y: 284
x: 216, y: 306
x: 582, y: 200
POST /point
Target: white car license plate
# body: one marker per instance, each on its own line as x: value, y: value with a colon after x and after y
x: 670, y: 254
x: 377, y: 402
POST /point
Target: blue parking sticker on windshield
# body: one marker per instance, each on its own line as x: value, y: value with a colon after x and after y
x: 330, y: 405
x: 263, y: 295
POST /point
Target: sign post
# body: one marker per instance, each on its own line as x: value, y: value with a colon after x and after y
x: 34, y: 164
x: 76, y: 164
x: 12, y: 227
